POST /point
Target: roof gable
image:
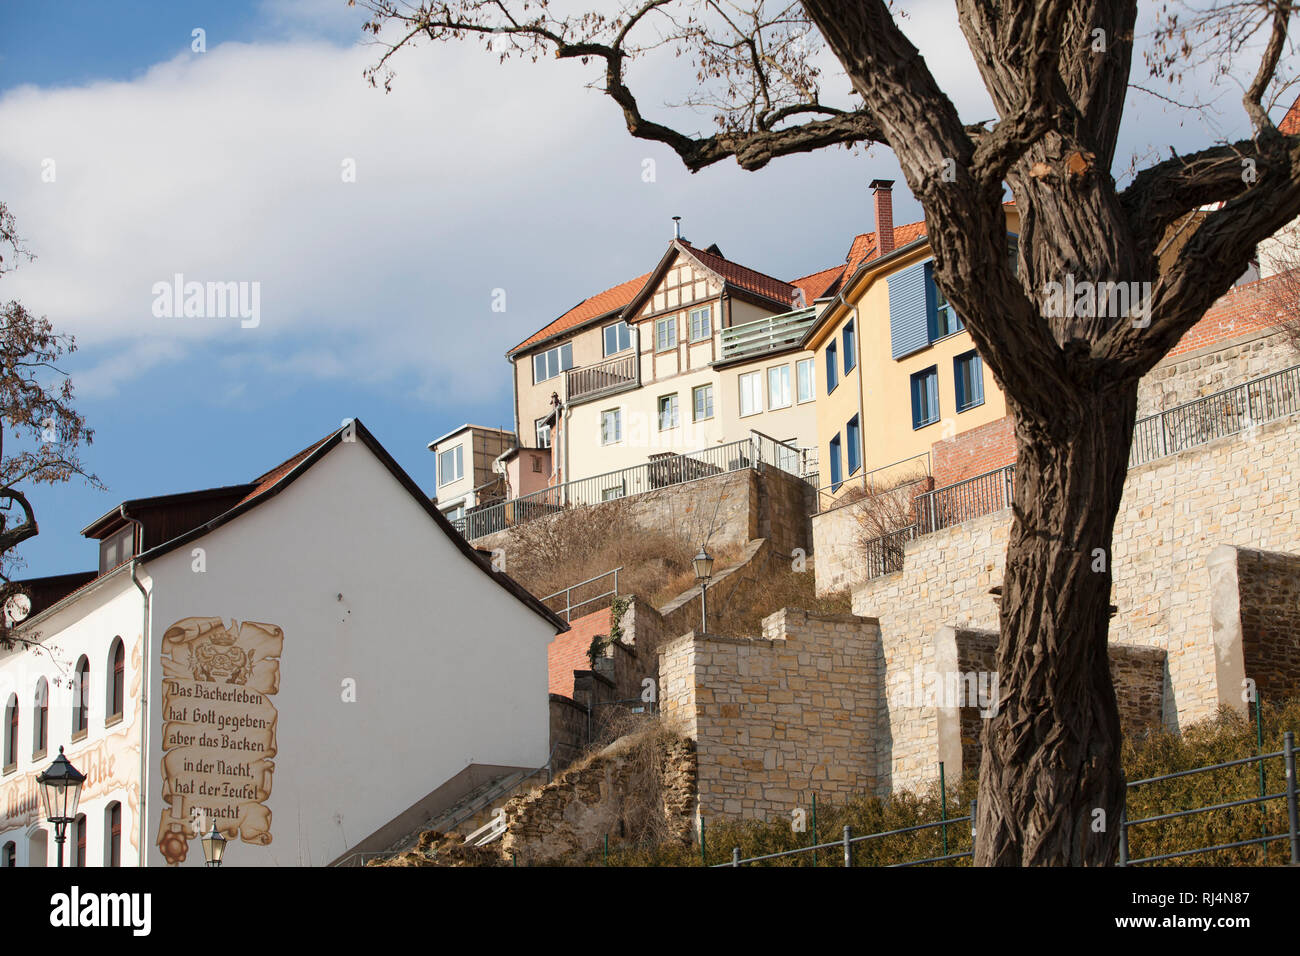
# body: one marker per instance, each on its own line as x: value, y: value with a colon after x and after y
x: 588, y: 310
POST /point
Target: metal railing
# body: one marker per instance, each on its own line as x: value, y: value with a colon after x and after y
x: 885, y: 478
x: 1193, y: 423
x: 766, y: 334
x: 847, y: 840
x: 789, y: 458
x: 1217, y: 415
x: 570, y: 607
x: 964, y: 500
x: 1290, y: 793
x: 884, y: 555
x: 603, y: 378
x: 662, y: 471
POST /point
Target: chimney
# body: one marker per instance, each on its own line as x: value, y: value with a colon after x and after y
x: 883, y: 191
x: 677, y: 227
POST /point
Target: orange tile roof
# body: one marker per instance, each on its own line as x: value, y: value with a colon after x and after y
x: 1290, y: 124
x: 818, y: 284
x: 599, y: 304
x: 864, y: 245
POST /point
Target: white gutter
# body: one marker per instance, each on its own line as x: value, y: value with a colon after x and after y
x: 144, y: 680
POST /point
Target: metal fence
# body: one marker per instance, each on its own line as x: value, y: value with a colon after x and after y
x: 964, y: 500
x: 663, y: 470
x: 567, y: 594
x: 1290, y: 793
x: 1214, y: 416
x: 884, y: 555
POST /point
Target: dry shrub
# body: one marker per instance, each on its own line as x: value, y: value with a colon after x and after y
x: 766, y: 587
x: 557, y: 552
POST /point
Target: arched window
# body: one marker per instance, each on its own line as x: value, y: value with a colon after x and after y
x: 116, y: 682
x: 81, y: 698
x: 9, y: 855
x: 41, y: 719
x: 11, y: 733
x: 113, y: 830
x: 79, y: 853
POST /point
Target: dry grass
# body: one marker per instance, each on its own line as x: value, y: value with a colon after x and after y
x: 768, y: 586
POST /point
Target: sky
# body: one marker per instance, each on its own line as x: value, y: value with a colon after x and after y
x: 380, y: 232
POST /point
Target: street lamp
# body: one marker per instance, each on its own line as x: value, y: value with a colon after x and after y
x: 703, y: 571
x: 214, y: 845
x: 60, y: 787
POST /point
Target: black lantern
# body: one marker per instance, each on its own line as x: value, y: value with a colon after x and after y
x: 214, y: 845
x: 60, y: 788
x: 703, y: 571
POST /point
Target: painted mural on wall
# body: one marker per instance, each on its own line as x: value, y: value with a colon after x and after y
x: 111, y: 762
x: 218, y: 734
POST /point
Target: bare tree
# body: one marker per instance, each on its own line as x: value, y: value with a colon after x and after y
x: 1058, y: 72
x: 1279, y: 262
x: 40, y: 431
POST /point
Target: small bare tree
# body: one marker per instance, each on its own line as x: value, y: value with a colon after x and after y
x: 40, y: 432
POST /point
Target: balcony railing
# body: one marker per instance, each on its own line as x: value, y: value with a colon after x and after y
x: 612, y: 375
x: 766, y: 334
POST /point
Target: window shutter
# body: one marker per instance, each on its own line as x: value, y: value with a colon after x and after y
x: 910, y: 304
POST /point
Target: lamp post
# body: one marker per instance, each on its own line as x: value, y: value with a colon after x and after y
x: 214, y: 846
x: 703, y: 571
x: 60, y: 788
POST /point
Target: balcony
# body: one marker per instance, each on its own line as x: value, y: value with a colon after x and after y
x: 603, y: 378
x: 768, y: 334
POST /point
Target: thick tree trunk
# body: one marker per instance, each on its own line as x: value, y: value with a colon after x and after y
x: 1051, y: 784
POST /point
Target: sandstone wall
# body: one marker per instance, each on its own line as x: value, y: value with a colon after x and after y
x: 1239, y: 490
x: 1256, y: 602
x: 777, y: 718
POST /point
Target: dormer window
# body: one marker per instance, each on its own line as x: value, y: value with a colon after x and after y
x: 116, y: 548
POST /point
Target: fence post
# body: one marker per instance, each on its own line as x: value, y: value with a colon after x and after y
x: 943, y: 809
x: 1293, y: 813
x: 1164, y: 440
x: 848, y: 846
x: 1123, y: 830
x: 735, y: 856
x: 972, y: 832
x: 814, y: 828
x: 704, y: 859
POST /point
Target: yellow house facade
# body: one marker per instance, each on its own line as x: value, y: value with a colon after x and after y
x: 900, y: 372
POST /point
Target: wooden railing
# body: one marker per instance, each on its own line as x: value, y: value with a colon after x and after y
x: 602, y: 378
x: 766, y: 334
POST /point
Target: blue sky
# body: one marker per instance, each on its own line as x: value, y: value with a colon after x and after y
x: 376, y: 294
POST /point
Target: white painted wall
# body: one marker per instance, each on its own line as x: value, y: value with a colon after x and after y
x: 450, y: 669
x: 109, y: 753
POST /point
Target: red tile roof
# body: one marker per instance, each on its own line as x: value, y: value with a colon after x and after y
x: 751, y: 280
x: 1290, y: 124
x: 863, y: 246
x: 598, y: 305
x: 264, y: 483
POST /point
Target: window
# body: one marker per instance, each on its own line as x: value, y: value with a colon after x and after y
x: 113, y: 828
x: 968, y: 372
x: 455, y: 514
x: 853, y: 439
x: 701, y: 323
x: 666, y: 333
x: 945, y: 321
x: 925, y: 397
x: 116, y: 549
x: 537, y: 463
x: 702, y: 401
x: 668, y: 412
x: 611, y: 426
x: 850, y: 348
x: 612, y: 492
x: 778, y: 387
x: 9, y: 856
x: 837, y: 477
x: 751, y: 393
x: 618, y: 338
x: 804, y: 373
x: 451, y: 465
x: 116, y: 679
x: 548, y: 364
x: 11, y: 733
x: 543, y: 432
x: 79, y: 854
x: 41, y: 719
x: 81, y: 698
x: 832, y: 367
